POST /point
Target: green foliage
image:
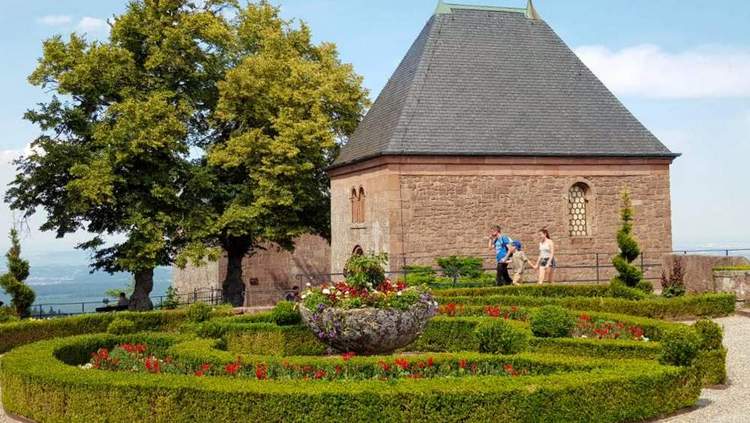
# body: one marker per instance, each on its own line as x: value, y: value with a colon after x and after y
x: 552, y: 322
x: 628, y: 274
x: 686, y: 307
x: 680, y: 346
x: 115, y: 292
x: 285, y: 313
x: 731, y: 268
x: 455, y: 267
x: 710, y: 334
x: 499, y: 337
x: 673, y: 286
x: 645, y: 286
x: 711, y: 365
x: 171, y: 300
x: 121, y: 327
x: 617, y: 289
x: 13, y: 281
x: 419, y: 275
x: 551, y: 291
x: 198, y: 312
x: 366, y: 270
x: 7, y: 314
x: 570, y: 389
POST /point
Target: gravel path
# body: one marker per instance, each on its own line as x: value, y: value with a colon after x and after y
x: 731, y: 404
x: 727, y: 405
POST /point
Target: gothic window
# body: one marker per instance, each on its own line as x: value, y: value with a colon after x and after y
x: 361, y: 205
x: 358, y: 205
x: 578, y: 213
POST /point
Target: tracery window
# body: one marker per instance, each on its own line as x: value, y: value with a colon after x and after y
x: 578, y: 213
x: 358, y: 205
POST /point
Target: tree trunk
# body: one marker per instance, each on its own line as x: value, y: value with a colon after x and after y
x: 144, y: 283
x: 234, y: 286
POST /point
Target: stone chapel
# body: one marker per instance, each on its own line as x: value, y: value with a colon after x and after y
x: 490, y: 118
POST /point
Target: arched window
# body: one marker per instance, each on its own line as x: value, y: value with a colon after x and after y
x: 361, y: 205
x: 358, y: 251
x: 578, y: 213
x: 354, y: 199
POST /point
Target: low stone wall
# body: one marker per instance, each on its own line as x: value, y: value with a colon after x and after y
x: 698, y: 270
x: 733, y: 281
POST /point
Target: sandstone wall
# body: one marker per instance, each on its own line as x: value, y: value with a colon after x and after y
x: 448, y: 204
x: 697, y: 270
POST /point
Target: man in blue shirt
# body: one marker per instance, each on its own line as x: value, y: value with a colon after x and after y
x: 503, y: 246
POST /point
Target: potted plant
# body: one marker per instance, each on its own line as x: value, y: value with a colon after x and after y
x: 367, y: 313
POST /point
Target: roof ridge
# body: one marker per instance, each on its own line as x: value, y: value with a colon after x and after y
x: 443, y: 8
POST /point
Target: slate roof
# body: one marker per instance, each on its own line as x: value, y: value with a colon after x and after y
x: 496, y: 82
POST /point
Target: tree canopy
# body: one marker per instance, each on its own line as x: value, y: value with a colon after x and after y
x: 195, y: 127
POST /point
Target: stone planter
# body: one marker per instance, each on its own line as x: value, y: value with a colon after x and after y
x: 369, y: 331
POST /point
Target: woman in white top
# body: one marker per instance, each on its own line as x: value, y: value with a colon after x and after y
x: 546, y: 262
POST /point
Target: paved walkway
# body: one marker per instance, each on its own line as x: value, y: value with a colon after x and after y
x: 731, y: 404
x: 728, y: 405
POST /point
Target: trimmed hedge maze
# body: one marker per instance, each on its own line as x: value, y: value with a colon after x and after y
x: 477, y: 361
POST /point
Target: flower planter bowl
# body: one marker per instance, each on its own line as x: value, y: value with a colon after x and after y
x: 368, y: 331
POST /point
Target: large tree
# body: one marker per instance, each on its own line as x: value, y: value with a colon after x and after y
x: 113, y: 154
x: 284, y: 107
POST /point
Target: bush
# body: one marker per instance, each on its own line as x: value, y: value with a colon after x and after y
x: 198, y: 312
x: 552, y: 291
x: 673, y: 286
x: 686, y: 307
x: 645, y: 286
x: 709, y: 333
x: 7, y: 314
x: 35, y: 384
x: 552, y: 322
x: 627, y: 273
x: 418, y: 275
x: 366, y: 270
x: 679, y: 346
x: 498, y: 337
x: 618, y: 289
x: 455, y: 267
x: 121, y: 327
x: 285, y: 313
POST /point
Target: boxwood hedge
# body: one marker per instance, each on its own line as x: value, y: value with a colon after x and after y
x: 40, y: 386
x: 684, y: 307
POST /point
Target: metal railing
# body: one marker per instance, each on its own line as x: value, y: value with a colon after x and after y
x: 211, y: 296
x: 571, y: 268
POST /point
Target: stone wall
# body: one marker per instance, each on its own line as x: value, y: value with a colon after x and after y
x: 697, y: 270
x: 268, y: 274
x: 733, y: 281
x: 446, y: 205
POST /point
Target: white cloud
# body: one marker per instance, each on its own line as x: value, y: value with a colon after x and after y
x: 648, y: 71
x: 89, y: 24
x: 55, y: 20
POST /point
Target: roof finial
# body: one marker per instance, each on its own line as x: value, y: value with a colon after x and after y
x: 531, y: 11
x: 442, y: 8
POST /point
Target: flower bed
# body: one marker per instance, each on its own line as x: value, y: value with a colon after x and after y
x: 38, y: 384
x: 685, y: 307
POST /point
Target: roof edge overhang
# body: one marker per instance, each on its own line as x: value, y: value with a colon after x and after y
x: 611, y: 156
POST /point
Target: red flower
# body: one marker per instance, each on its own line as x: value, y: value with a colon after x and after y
x: 152, y: 364
x: 232, y: 368
x: 430, y: 362
x: 103, y: 353
x: 492, y: 311
x: 402, y: 363
x: 348, y: 355
x: 383, y: 365
x: 585, y: 317
x: 636, y: 332
x: 462, y: 363
x: 261, y: 372
x: 421, y: 364
x: 338, y: 370
x: 319, y: 374
x: 205, y: 367
x: 199, y: 373
x: 510, y: 370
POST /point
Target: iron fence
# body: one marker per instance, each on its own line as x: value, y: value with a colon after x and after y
x: 211, y: 296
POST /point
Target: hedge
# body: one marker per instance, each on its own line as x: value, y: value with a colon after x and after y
x: 555, y: 291
x: 684, y: 307
x: 40, y: 387
x: 23, y: 332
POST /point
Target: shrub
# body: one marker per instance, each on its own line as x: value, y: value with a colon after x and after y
x: 709, y: 333
x: 617, y: 289
x: 198, y: 312
x: 673, y: 286
x: 498, y: 337
x: 285, y: 313
x: 455, y: 267
x: 645, y: 286
x: 12, y: 282
x: 121, y: 326
x: 35, y: 384
x: 552, y: 322
x: 418, y: 275
x: 679, y: 346
x: 171, y: 301
x: 7, y: 314
x: 627, y: 273
x: 366, y: 270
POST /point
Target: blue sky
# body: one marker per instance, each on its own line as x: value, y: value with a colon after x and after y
x: 681, y: 67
